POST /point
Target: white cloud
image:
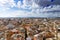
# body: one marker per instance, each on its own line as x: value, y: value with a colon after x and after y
x: 17, y: 13
x: 37, y: 11
x: 7, y: 3
x: 19, y: 4
x: 3, y: 2
x: 27, y: 4
x: 20, y: 13
x: 12, y: 3
x: 55, y: 7
x: 34, y: 5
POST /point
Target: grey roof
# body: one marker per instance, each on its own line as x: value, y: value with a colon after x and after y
x: 10, y: 25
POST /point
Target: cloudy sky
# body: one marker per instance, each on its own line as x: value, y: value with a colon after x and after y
x: 29, y: 8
